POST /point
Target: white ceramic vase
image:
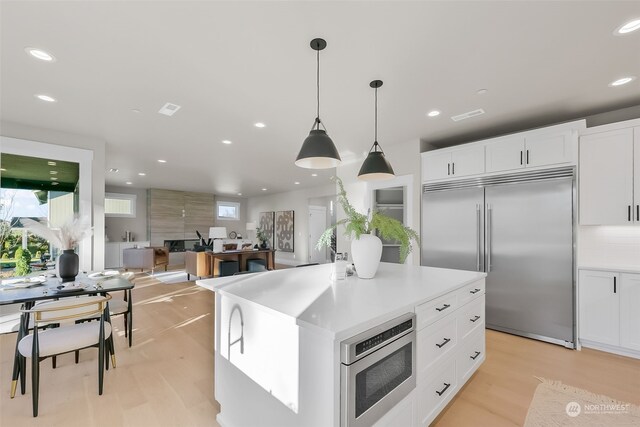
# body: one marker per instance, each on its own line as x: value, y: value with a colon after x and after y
x: 366, y: 252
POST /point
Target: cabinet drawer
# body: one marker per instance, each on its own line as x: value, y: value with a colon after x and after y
x: 436, y: 393
x: 435, y: 343
x: 471, y: 355
x: 432, y: 311
x: 471, y: 317
x: 471, y: 291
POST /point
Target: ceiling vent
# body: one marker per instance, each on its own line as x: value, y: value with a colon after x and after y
x: 467, y: 115
x: 169, y: 109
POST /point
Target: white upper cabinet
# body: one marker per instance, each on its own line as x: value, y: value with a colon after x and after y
x: 629, y: 313
x: 606, y: 177
x: 450, y: 163
x: 545, y: 150
x: 505, y: 154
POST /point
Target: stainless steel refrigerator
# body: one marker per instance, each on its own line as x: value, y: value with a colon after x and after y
x: 519, y: 228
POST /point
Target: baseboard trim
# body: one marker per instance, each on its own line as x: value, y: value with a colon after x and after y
x: 621, y: 351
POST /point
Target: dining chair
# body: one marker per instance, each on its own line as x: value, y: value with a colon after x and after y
x: 68, y: 337
x: 124, y: 306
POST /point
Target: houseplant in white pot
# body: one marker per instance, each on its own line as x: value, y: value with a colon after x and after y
x: 366, y: 246
x: 67, y: 237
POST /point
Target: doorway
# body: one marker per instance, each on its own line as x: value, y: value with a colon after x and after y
x: 317, y: 225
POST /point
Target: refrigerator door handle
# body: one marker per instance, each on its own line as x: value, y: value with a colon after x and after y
x: 478, y: 238
x: 488, y: 237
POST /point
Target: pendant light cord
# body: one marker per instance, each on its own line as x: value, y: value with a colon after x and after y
x: 376, y: 119
x: 318, y: 88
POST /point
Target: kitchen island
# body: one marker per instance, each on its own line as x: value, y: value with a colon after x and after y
x: 281, y: 336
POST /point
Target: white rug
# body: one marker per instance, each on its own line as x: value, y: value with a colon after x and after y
x: 170, y: 277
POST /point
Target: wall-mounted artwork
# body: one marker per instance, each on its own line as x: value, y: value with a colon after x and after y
x: 266, y: 224
x: 284, y: 231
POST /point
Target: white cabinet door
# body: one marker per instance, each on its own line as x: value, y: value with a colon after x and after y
x: 548, y: 150
x: 599, y: 306
x: 606, y: 178
x: 629, y: 311
x: 436, y: 165
x: 636, y: 171
x: 505, y: 154
x: 467, y: 161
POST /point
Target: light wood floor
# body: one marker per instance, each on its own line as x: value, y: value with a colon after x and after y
x: 166, y: 378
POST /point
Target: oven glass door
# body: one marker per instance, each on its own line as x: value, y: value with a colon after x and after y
x: 378, y: 380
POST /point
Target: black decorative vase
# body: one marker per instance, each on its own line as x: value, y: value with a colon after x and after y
x: 68, y: 264
x: 263, y: 245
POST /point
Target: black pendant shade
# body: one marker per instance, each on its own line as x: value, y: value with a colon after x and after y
x: 318, y: 150
x: 376, y: 167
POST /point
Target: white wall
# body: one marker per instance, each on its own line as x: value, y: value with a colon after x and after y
x: 608, y: 246
x: 116, y: 226
x: 405, y: 160
x: 298, y: 201
x: 95, y: 145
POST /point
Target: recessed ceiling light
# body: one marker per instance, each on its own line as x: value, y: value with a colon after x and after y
x: 3, y: 170
x: 260, y: 125
x: 135, y: 110
x: 54, y: 183
x: 226, y: 141
x: 264, y: 189
x: 239, y: 194
x: 482, y: 91
x: 297, y: 183
x: 113, y: 170
x: 141, y: 173
x: 628, y: 27
x: 45, y: 98
x: 53, y: 172
x: 162, y: 161
x: 314, y: 174
x: 128, y: 182
x: 53, y: 178
x: 622, y: 81
x: 433, y: 113
x: 51, y: 163
x: 169, y: 109
x: 40, y: 54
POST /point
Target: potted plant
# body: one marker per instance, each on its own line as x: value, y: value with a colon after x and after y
x: 366, y: 247
x: 263, y: 238
x: 66, y: 238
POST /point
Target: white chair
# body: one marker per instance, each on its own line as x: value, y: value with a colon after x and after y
x: 70, y: 336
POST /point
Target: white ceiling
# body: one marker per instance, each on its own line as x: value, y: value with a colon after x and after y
x: 231, y: 64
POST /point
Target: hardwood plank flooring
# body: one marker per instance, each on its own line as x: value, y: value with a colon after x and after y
x: 166, y: 378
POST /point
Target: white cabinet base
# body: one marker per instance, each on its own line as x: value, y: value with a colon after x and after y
x: 610, y: 348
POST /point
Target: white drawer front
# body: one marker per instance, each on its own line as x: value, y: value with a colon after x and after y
x: 471, y: 291
x: 432, y: 311
x: 471, y: 317
x: 434, y: 344
x: 471, y: 355
x: 433, y: 395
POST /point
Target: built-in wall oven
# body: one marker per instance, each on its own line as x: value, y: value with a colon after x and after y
x: 378, y: 369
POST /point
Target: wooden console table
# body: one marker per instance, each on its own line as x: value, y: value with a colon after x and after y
x: 241, y: 256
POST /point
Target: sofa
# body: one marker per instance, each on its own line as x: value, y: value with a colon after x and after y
x: 149, y: 258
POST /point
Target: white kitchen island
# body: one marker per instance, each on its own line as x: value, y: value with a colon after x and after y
x: 278, y: 338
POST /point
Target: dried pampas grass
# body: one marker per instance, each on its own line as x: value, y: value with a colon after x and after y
x: 66, y: 237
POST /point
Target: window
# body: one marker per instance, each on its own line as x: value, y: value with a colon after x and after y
x: 228, y: 211
x: 120, y: 205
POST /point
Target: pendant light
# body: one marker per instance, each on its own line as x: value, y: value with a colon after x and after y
x: 318, y: 150
x: 375, y: 166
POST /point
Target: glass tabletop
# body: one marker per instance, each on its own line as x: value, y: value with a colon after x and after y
x: 50, y: 289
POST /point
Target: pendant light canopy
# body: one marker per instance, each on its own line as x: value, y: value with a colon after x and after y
x: 318, y: 150
x: 375, y: 166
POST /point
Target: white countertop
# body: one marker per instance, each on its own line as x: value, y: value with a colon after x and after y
x: 342, y: 307
x: 614, y: 268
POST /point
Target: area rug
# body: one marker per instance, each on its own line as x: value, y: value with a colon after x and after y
x: 558, y: 404
x: 170, y: 277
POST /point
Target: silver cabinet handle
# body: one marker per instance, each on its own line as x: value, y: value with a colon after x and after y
x: 478, y: 237
x: 489, y: 217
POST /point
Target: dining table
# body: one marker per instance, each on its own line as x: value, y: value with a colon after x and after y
x: 52, y: 288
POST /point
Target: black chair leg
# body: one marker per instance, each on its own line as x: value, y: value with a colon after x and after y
x: 77, y: 356
x: 23, y: 374
x: 35, y: 379
x: 53, y: 362
x: 130, y: 315
x: 126, y: 329
x: 100, y: 366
